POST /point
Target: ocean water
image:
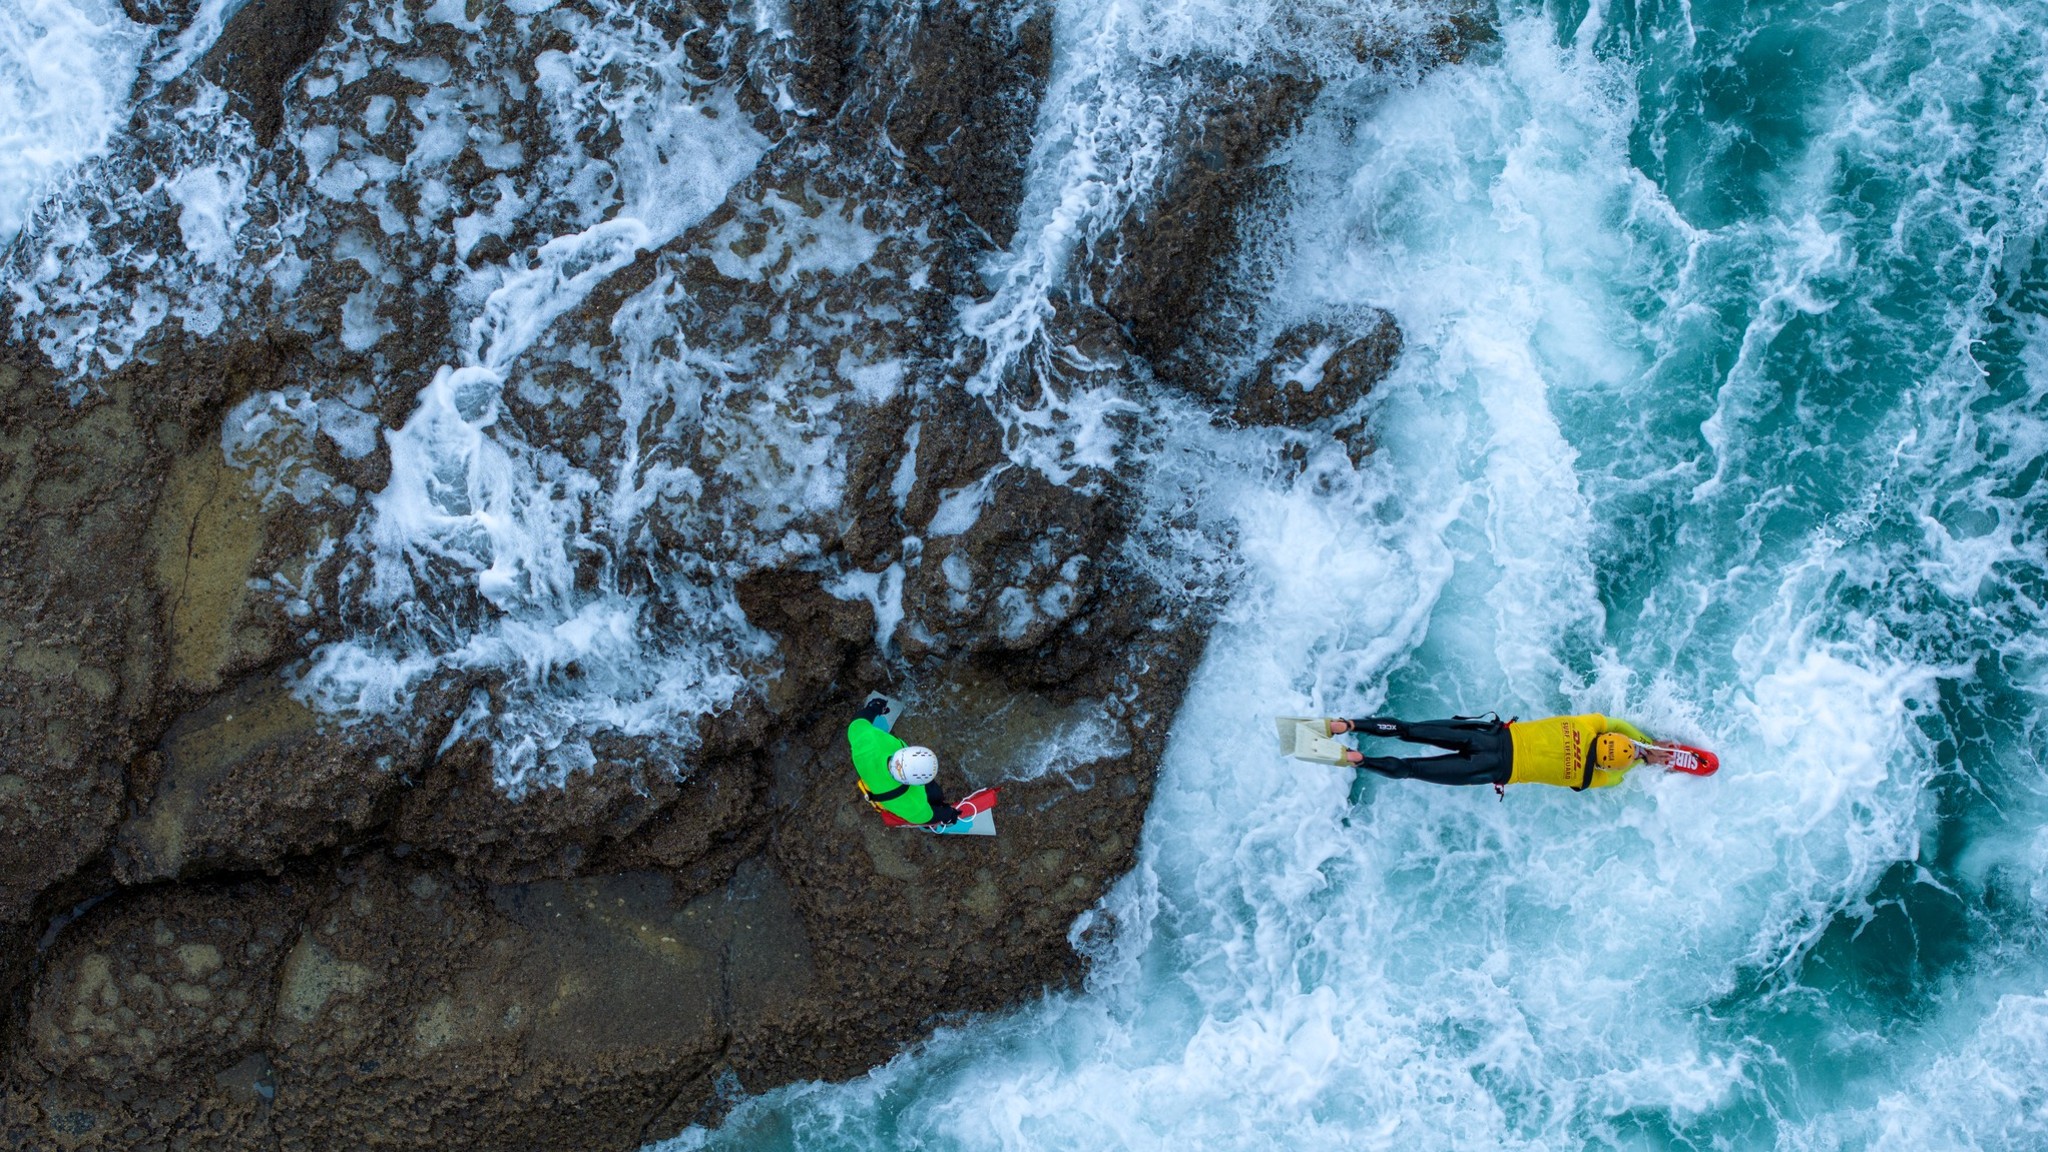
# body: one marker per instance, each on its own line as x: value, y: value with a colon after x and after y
x: 1725, y: 408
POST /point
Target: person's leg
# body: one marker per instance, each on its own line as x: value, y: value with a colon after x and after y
x: 1486, y: 758
x: 1454, y: 735
x: 1385, y: 726
x: 1450, y: 735
x: 943, y: 814
x: 1450, y: 769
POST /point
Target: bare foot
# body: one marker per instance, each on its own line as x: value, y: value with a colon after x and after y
x: 1353, y: 758
x: 1339, y: 727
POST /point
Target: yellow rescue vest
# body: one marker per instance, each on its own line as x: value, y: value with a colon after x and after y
x: 1559, y: 750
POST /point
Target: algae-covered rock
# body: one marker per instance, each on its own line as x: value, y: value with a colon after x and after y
x: 256, y: 777
x: 387, y: 1002
x: 148, y: 1022
x: 206, y: 536
x: 79, y: 636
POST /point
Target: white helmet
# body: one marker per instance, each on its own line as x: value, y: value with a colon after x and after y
x: 914, y: 765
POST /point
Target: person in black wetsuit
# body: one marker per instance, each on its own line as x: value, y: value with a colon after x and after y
x: 1481, y: 751
x: 1575, y: 752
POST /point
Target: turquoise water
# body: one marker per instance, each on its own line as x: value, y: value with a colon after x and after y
x: 1725, y: 408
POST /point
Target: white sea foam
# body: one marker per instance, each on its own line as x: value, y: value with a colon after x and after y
x: 466, y: 492
x: 479, y: 554
x: 66, y: 67
x: 1293, y: 965
x: 90, y: 295
x: 87, y: 290
x: 1985, y: 1093
x: 209, y: 200
x: 184, y: 50
x: 883, y: 591
x: 784, y: 240
x: 1125, y: 75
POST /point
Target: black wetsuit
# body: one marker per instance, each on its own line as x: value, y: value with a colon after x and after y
x: 1482, y: 752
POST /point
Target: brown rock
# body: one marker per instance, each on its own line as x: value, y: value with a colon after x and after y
x: 262, y: 47
x: 1168, y: 273
x: 162, y: 991
x: 78, y: 636
x: 255, y: 777
x: 459, y: 811
x: 126, y: 546
x: 966, y: 124
x: 250, y: 926
x: 1165, y: 272
x: 821, y: 632
x: 1029, y: 561
x: 1318, y: 370
x: 969, y: 923
x: 959, y: 442
x: 404, y: 1009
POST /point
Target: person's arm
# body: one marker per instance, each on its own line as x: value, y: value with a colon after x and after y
x: 942, y: 812
x: 1617, y: 724
x: 872, y: 710
x: 1609, y: 777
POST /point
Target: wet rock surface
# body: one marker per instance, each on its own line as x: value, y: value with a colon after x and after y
x: 1170, y: 274
x: 1167, y: 278
x: 1319, y: 370
x: 966, y: 125
x: 235, y: 913
x: 260, y: 50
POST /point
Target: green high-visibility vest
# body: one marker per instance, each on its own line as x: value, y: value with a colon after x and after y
x: 872, y: 748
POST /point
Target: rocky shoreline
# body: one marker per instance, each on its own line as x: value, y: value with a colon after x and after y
x: 229, y: 920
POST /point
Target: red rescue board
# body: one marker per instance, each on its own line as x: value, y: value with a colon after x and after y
x: 1684, y: 758
x: 973, y: 808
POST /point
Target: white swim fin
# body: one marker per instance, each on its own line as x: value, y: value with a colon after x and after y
x: 1308, y: 738
x: 1287, y: 726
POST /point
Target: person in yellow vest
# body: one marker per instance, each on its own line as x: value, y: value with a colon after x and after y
x: 1576, y: 752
